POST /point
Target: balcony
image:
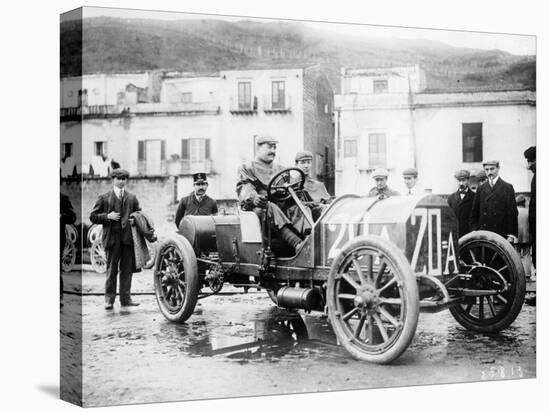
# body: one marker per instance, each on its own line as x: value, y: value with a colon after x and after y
x: 240, y: 108
x: 186, y: 167
x: 271, y: 107
x: 92, y: 111
x: 152, y: 168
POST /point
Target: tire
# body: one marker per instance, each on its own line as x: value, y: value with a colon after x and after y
x: 176, y: 278
x: 494, y: 256
x: 391, y: 295
x: 152, y: 247
x: 98, y: 257
x: 69, y: 256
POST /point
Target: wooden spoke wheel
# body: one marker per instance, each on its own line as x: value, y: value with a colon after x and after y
x: 98, y: 257
x: 94, y: 233
x: 176, y: 279
x: 69, y: 256
x: 373, y: 300
x: 71, y: 232
x: 495, y: 267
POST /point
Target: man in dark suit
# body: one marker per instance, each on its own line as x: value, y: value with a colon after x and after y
x: 197, y: 203
x: 461, y: 202
x: 494, y: 208
x: 112, y: 210
x: 531, y: 157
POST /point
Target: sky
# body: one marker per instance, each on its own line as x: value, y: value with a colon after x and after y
x: 511, y: 43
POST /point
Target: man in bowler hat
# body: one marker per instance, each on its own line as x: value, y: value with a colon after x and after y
x: 197, y: 203
x: 494, y: 207
x: 461, y: 202
x: 112, y: 210
x: 530, y: 155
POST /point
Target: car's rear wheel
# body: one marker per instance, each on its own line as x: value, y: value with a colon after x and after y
x: 98, y: 257
x: 69, y: 256
x: 372, y: 299
x: 494, y: 266
x: 176, y: 278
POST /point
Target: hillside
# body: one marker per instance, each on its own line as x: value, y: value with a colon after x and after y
x: 124, y: 45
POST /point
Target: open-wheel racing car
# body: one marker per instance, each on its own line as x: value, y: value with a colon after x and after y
x: 371, y: 264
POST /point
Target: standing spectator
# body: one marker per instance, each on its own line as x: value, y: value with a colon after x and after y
x: 112, y: 210
x: 461, y: 202
x: 530, y: 155
x: 67, y: 216
x: 494, y: 208
x: 197, y: 203
x: 381, y: 189
x: 410, y: 177
x: 477, y: 177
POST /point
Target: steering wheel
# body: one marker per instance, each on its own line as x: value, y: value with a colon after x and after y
x: 277, y: 189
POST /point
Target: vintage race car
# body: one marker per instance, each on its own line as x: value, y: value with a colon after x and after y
x: 371, y: 264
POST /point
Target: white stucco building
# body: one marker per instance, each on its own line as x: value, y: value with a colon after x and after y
x: 387, y: 118
x: 182, y: 123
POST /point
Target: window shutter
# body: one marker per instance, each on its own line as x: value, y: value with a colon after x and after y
x: 207, y: 149
x: 184, y: 149
x: 141, y: 151
x: 162, y: 150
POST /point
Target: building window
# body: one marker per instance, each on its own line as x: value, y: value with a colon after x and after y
x: 67, y: 150
x: 377, y: 150
x: 472, y: 142
x: 278, y: 95
x: 245, y: 97
x: 195, y: 150
x: 350, y: 148
x: 100, y: 148
x: 380, y: 86
x: 148, y: 148
x: 186, y: 97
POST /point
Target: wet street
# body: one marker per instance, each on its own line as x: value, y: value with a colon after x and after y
x: 242, y: 345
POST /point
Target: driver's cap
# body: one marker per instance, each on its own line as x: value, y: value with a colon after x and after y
x: 380, y: 172
x: 303, y: 155
x: 264, y: 139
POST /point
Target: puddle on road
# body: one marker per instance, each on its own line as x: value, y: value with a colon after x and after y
x: 263, y: 336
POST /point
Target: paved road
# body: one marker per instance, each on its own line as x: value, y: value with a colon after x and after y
x: 242, y: 345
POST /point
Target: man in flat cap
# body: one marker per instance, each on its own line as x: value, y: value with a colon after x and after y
x: 494, y: 207
x: 316, y: 189
x: 197, y: 203
x: 381, y: 189
x: 477, y: 177
x: 461, y: 202
x: 530, y: 155
x: 410, y: 178
x: 112, y: 210
x: 254, y: 176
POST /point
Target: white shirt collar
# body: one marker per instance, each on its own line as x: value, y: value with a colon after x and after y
x: 494, y: 180
x: 119, y: 192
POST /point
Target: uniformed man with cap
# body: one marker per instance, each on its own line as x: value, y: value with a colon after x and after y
x: 254, y: 176
x: 530, y: 155
x: 494, y: 207
x: 461, y: 202
x: 316, y: 189
x: 381, y: 189
x: 410, y: 177
x: 477, y: 177
x: 197, y: 203
x: 112, y: 210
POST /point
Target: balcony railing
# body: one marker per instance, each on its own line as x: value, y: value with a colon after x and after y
x: 271, y: 107
x: 237, y: 107
x: 145, y: 167
x: 186, y: 166
x: 91, y: 111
